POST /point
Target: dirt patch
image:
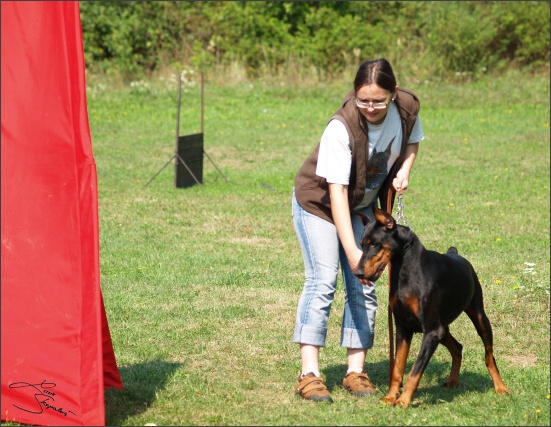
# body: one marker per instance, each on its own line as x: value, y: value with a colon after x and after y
x: 525, y: 361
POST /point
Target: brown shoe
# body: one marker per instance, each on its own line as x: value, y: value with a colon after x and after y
x: 311, y: 387
x: 359, y: 384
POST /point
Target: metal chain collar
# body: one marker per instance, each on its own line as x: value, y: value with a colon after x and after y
x: 400, y: 217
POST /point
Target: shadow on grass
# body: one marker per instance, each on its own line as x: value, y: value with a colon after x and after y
x: 141, y: 382
x: 436, y: 371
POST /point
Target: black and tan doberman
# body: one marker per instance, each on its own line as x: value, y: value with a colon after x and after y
x: 428, y: 291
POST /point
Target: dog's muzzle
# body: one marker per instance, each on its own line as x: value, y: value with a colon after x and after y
x: 360, y: 273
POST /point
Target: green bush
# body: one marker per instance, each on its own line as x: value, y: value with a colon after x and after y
x: 459, y: 38
x: 523, y: 31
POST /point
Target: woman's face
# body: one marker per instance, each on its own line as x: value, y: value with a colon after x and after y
x: 370, y: 99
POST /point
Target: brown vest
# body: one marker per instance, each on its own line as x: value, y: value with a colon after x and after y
x: 312, y: 191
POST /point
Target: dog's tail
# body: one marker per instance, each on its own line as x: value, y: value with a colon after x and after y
x: 453, y: 250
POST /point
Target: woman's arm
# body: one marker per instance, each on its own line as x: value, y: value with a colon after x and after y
x: 401, y: 182
x: 343, y: 223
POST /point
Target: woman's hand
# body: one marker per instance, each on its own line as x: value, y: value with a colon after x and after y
x: 354, y: 261
x: 401, y: 182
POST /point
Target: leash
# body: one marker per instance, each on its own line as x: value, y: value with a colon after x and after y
x: 400, y: 219
x: 389, y: 266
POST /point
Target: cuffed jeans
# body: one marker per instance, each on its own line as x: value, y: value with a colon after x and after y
x: 322, y: 251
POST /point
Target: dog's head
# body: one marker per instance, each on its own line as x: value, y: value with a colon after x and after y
x: 378, y: 243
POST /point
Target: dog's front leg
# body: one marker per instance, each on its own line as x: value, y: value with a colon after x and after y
x: 403, y: 343
x: 428, y: 346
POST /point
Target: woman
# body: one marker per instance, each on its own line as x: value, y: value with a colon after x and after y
x: 367, y: 148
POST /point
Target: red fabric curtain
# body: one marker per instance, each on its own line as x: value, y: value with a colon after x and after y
x: 57, y: 354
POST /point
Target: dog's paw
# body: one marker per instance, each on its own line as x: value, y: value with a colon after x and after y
x: 503, y: 390
x: 402, y: 402
x: 390, y: 399
x: 451, y: 383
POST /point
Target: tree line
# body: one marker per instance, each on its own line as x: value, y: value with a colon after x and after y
x: 430, y: 39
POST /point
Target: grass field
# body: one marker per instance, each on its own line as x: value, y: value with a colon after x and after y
x: 201, y: 284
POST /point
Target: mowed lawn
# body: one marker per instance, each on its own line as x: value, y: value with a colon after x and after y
x: 201, y: 284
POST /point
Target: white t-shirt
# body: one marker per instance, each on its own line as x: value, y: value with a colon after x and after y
x: 385, y: 140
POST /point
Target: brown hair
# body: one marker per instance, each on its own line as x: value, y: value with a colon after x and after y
x: 376, y: 71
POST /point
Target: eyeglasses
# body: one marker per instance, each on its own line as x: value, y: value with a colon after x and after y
x: 374, y: 105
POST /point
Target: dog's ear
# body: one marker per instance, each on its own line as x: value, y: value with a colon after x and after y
x: 384, y: 218
x: 365, y: 219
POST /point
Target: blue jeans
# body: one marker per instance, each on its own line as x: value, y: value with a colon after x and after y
x: 322, y: 251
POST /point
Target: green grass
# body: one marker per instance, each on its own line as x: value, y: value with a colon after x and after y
x: 201, y: 284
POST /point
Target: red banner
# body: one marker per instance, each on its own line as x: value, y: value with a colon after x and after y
x: 57, y: 354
